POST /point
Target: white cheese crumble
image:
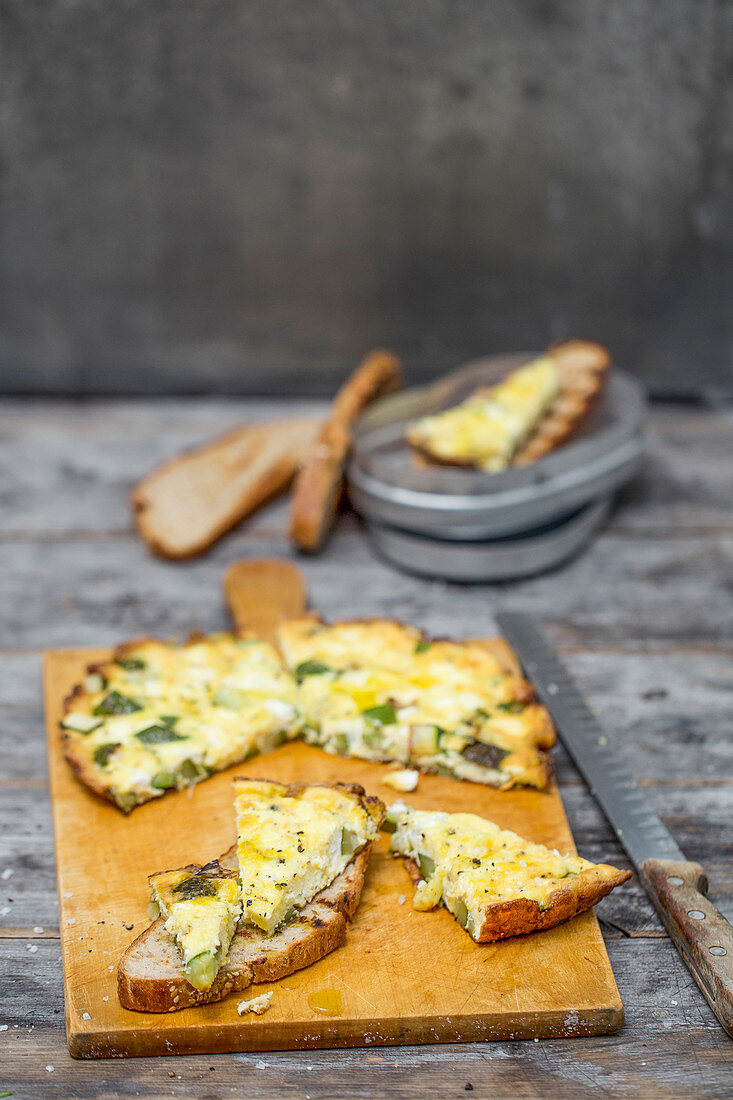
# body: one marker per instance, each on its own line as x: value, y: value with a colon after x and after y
x: 405, y: 780
x: 258, y: 1005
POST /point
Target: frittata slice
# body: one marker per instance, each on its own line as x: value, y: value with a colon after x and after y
x: 488, y: 428
x: 293, y: 841
x: 495, y: 883
x: 201, y: 907
x: 382, y: 691
x: 162, y: 716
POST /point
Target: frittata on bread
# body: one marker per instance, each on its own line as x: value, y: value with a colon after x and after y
x: 488, y: 428
x: 293, y: 841
x: 201, y: 907
x: 162, y: 716
x: 529, y: 413
x: 382, y: 691
x: 495, y: 883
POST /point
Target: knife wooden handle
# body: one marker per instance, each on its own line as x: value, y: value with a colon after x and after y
x: 701, y: 934
x: 260, y: 594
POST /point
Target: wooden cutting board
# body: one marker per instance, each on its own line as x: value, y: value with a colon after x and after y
x: 401, y: 977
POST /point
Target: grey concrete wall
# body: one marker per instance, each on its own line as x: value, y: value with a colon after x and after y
x: 243, y: 195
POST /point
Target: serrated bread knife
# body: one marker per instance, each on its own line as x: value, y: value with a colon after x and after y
x: 676, y: 886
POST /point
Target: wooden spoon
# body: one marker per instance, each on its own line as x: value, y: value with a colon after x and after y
x: 260, y: 594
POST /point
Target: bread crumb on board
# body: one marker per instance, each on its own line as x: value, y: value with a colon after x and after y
x: 258, y: 1005
x: 404, y: 780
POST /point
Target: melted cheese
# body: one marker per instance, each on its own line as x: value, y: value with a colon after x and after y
x: 201, y: 912
x: 470, y: 864
x: 292, y: 845
x: 489, y: 427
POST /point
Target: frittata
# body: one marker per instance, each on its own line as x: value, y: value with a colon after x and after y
x: 201, y: 907
x: 488, y: 428
x: 495, y: 883
x: 160, y: 716
x: 294, y: 841
x: 382, y: 691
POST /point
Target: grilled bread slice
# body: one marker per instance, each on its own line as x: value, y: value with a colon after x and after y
x: 294, y: 841
x: 526, y: 415
x: 151, y: 977
x: 188, y: 503
x: 162, y: 716
x: 382, y: 691
x: 493, y: 882
x: 318, y: 485
x: 201, y: 907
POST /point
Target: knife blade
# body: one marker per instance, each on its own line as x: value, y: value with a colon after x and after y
x: 677, y: 887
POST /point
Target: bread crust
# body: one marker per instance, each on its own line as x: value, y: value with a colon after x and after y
x: 522, y: 916
x: 319, y: 482
x: 253, y: 957
x: 223, y: 459
x: 583, y: 367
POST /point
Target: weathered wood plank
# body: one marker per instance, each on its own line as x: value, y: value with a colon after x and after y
x: 671, y: 1046
x: 97, y: 591
x: 69, y: 466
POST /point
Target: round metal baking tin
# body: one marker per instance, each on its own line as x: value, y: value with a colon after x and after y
x: 500, y: 559
x: 448, y: 502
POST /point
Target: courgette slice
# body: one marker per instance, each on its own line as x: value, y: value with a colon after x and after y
x: 80, y: 723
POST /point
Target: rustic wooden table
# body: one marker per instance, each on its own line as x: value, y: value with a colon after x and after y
x: 643, y: 619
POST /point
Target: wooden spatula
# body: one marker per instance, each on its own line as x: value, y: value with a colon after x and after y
x: 260, y: 594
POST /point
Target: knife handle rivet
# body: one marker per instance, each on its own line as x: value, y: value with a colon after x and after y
x: 674, y: 880
x: 715, y: 950
x: 695, y: 914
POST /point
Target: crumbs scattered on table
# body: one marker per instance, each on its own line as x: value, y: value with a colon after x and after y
x: 258, y: 1005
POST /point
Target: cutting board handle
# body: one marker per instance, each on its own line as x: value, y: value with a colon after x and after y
x: 702, y: 934
x: 260, y: 594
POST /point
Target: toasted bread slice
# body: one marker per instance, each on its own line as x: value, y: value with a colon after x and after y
x: 188, y: 503
x: 529, y: 413
x: 319, y: 482
x: 294, y: 841
x: 380, y: 690
x: 493, y: 882
x: 150, y: 975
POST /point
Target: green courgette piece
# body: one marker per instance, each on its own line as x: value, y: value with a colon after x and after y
x: 168, y: 720
x: 80, y: 723
x: 132, y: 664
x: 189, y: 771
x: 228, y: 697
x: 201, y: 970
x: 197, y: 886
x: 103, y: 753
x: 158, y: 735
x: 94, y: 682
x: 511, y: 707
x: 310, y: 668
x: 115, y: 703
x: 383, y: 715
x: 422, y: 646
x: 427, y: 865
x: 424, y: 740
x: 163, y: 781
x: 341, y: 744
x: 349, y: 842
x: 374, y: 738
x: 461, y: 913
x: 488, y: 756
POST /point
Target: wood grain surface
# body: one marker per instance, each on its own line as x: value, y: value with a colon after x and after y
x: 402, y: 976
x: 642, y: 620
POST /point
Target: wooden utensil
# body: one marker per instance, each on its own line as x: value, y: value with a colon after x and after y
x: 260, y: 594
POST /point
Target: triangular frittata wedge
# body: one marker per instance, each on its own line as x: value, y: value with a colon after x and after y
x: 495, y: 883
x: 201, y: 907
x: 294, y: 841
x: 531, y: 411
x: 151, y: 978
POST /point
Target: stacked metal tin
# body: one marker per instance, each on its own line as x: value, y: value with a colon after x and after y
x: 467, y: 525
